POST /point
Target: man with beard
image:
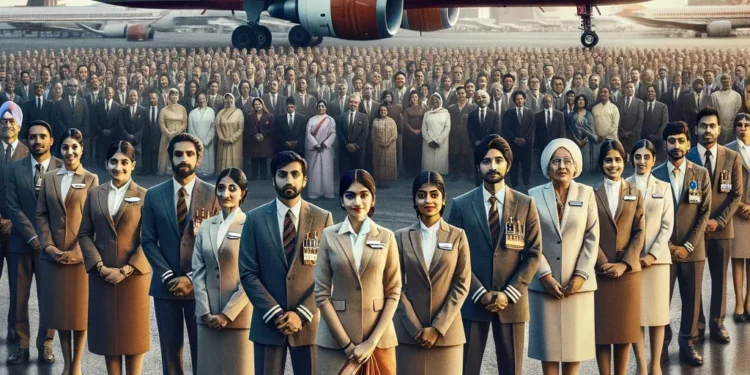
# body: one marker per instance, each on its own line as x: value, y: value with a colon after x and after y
x: 172, y: 213
x: 24, y: 178
x: 501, y: 268
x: 725, y: 170
x: 614, y: 89
x: 691, y: 190
x: 285, y: 315
x: 594, y: 81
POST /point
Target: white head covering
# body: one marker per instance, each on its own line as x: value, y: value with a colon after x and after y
x: 9, y: 110
x: 231, y: 101
x: 567, y: 144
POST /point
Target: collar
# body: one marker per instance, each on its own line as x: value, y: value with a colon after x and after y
x: 714, y: 150
x: 281, y: 208
x: 739, y: 143
x: 120, y: 189
x: 45, y: 163
x: 500, y: 195
x: 230, y: 217
x: 431, y: 229
x: 346, y: 227
x: 39, y: 97
x: 683, y: 167
x: 13, y: 145
x: 64, y: 170
x: 608, y: 182
x: 188, y: 188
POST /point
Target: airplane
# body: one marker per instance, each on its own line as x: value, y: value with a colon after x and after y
x: 360, y: 19
x: 714, y: 21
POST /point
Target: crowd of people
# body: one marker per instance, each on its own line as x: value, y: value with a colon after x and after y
x: 338, y: 295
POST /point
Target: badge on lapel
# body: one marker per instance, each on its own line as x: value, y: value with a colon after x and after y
x: 694, y: 194
x: 447, y: 246
x: 78, y: 186
x: 376, y: 245
x: 515, y: 234
x: 233, y: 235
x: 657, y: 195
x: 726, y: 183
x: 134, y: 200
x: 576, y: 203
x: 628, y: 198
x: 310, y: 249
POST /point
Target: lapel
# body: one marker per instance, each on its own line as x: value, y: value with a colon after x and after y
x: 131, y: 193
x: 550, y: 201
x: 443, y: 236
x: 572, y: 193
x: 169, y: 205
x: 272, y: 222
x: 305, y: 223
x: 26, y: 171
x: 415, y: 237
x: 367, y: 251
x: 102, y: 198
x: 346, y: 245
x: 79, y: 177
x: 686, y: 180
x: 481, y: 215
x: 509, y: 209
x: 57, y: 178
x: 213, y: 233
x: 720, y: 159
x: 601, y: 194
x: 620, y: 205
x: 236, y: 227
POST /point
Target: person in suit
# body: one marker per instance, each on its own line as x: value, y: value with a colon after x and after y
x: 340, y: 102
x: 121, y: 90
x: 172, y: 212
x: 518, y: 128
x: 357, y: 267
x: 459, y: 144
x: 11, y: 94
x: 741, y: 221
x: 11, y: 118
x: 119, y: 273
x: 64, y: 299
x: 275, y: 102
x: 24, y: 88
x: 106, y: 122
x: 483, y: 121
x: 284, y: 315
x: 658, y: 206
x: 562, y: 291
x: 289, y: 129
x: 655, y: 119
x: 24, y: 179
x: 352, y: 132
x: 132, y: 124
x: 691, y: 103
x: 305, y: 101
x: 725, y: 170
x: 214, y: 100
x: 631, y: 110
x: 622, y: 236
x: 222, y: 309
x: 435, y: 256
x: 94, y: 92
x: 258, y: 142
x: 190, y: 99
x: 37, y: 108
x: 151, y: 136
x: 503, y: 230
x: 691, y: 190
x: 245, y: 101
x: 549, y: 124
x: 671, y: 98
x: 70, y: 112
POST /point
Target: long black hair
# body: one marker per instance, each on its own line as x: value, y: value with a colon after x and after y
x: 361, y: 176
x: 432, y: 178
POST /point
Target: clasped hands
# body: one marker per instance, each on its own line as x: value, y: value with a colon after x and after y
x: 614, y: 270
x: 744, y: 211
x: 217, y: 322
x: 427, y: 337
x: 352, y: 147
x: 63, y: 257
x: 494, y: 301
x: 556, y: 290
x: 680, y: 252
x: 288, y: 323
x: 362, y: 352
x: 180, y: 286
x: 115, y: 275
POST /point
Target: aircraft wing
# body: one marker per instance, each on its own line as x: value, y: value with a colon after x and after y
x: 33, y: 26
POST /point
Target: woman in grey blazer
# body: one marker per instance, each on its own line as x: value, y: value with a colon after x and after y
x: 655, y: 257
x: 741, y: 222
x: 357, y: 284
x: 222, y: 309
x: 435, y: 257
x: 561, y: 295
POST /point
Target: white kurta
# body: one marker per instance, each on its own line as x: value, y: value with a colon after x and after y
x: 728, y: 103
x: 606, y: 120
x: 436, y: 127
x: 202, y: 124
x: 320, y: 163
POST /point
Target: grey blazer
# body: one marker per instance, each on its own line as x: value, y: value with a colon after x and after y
x: 658, y: 208
x: 654, y: 122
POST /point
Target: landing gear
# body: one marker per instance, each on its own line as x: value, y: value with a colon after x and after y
x: 248, y: 37
x: 589, y: 39
x: 316, y: 40
x: 299, y: 37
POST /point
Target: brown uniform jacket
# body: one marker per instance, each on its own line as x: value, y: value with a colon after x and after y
x: 622, y: 233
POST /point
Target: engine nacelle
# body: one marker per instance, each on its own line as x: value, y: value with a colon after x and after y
x: 719, y: 29
x: 139, y: 32
x: 113, y: 30
x: 343, y: 19
x: 429, y: 19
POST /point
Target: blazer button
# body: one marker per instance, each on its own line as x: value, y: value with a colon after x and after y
x: 289, y: 278
x: 359, y: 287
x: 559, y: 242
x: 497, y: 255
x: 558, y: 258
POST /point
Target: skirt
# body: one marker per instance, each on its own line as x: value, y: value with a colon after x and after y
x: 330, y: 361
x: 740, y: 248
x: 119, y: 321
x: 228, y: 351
x: 655, y: 296
x: 560, y: 329
x: 438, y: 360
x: 63, y: 296
x: 618, y: 309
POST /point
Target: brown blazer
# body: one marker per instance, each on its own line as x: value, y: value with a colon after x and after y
x: 437, y: 292
x: 623, y: 234
x: 358, y: 296
x: 58, y: 219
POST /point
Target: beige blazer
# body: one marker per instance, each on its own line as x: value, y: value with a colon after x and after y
x: 570, y: 248
x: 438, y: 290
x: 357, y: 295
x: 658, y: 207
x: 59, y: 218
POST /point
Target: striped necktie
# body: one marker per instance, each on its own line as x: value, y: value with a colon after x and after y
x: 181, y: 210
x: 290, y: 233
x: 494, y: 221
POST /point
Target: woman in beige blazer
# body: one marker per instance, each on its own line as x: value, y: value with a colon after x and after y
x: 655, y: 257
x: 561, y: 296
x: 741, y: 222
x: 357, y: 284
x: 63, y: 292
x: 435, y: 257
x: 222, y: 308
x: 119, y: 273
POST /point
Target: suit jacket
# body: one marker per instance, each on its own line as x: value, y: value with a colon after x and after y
x: 514, y: 128
x: 334, y: 106
x: 654, y: 122
x: 59, y: 218
x: 67, y: 117
x: 478, y: 130
x: 282, y: 133
x: 356, y: 132
x: 248, y: 107
x: 24, y: 91
x: 310, y: 108
x: 186, y: 102
x: 546, y: 133
x: 118, y: 97
x: 131, y: 127
x: 218, y: 102
x: 723, y: 204
x: 92, y: 99
x: 570, y: 248
x: 495, y: 267
x: 374, y: 107
x: 688, y: 108
x: 216, y: 275
x: 107, y: 121
x: 31, y: 113
x: 169, y: 254
x: 357, y: 294
x: 623, y: 232
x: 151, y: 131
x: 672, y: 105
x: 438, y: 290
x: 21, y: 200
x: 272, y: 284
x: 534, y: 104
x: 640, y: 90
x: 632, y: 118
x: 658, y: 207
x: 16, y: 99
x: 690, y: 218
x: 19, y: 153
x: 280, y: 108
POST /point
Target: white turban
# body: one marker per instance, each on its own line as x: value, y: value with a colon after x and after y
x: 10, y: 110
x: 567, y: 144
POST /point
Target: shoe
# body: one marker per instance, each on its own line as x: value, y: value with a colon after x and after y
x: 46, y: 356
x: 690, y: 357
x: 19, y: 357
x: 720, y: 335
x: 700, y: 337
x: 739, y: 318
x: 746, y: 316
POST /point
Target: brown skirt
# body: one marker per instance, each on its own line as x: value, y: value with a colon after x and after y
x: 617, y: 309
x: 119, y: 316
x: 438, y: 360
x: 330, y: 361
x: 228, y: 351
x: 63, y: 296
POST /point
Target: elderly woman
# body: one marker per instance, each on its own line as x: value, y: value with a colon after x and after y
x: 384, y: 136
x: 562, y: 293
x: 230, y: 124
x: 202, y: 124
x: 172, y: 121
x: 436, y: 127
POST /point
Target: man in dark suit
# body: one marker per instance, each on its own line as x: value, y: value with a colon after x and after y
x: 691, y: 103
x: 671, y: 97
x: 501, y: 269
x: 121, y: 92
x: 691, y: 191
x: 289, y: 130
x: 284, y: 315
x: 725, y: 170
x: 24, y: 88
x: 10, y: 94
x: 482, y: 121
x: 172, y: 213
x: 274, y: 101
x: 151, y: 136
x: 340, y: 102
x: 352, y: 130
x: 133, y: 121
x: 655, y: 119
x: 549, y: 124
x: 24, y: 178
x: 94, y: 92
x: 740, y: 79
x: 519, y: 130
x: 369, y: 105
x: 631, y: 117
x: 306, y: 103
x: 107, y: 122
x: 37, y: 108
x: 213, y: 98
x: 71, y: 112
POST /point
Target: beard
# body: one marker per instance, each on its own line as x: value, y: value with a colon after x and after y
x: 676, y: 154
x: 493, y: 177
x: 287, y: 191
x: 183, y: 170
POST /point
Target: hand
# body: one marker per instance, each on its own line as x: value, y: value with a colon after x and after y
x: 363, y: 351
x: 600, y: 139
x: 712, y: 225
x: 434, y: 144
x: 288, y: 144
x: 105, y: 271
x: 574, y: 285
x: 294, y: 144
x: 417, y: 131
x: 552, y: 287
x: 316, y: 148
x: 647, y: 261
x: 36, y: 246
x: 614, y: 270
x: 349, y: 350
x: 487, y: 298
x: 54, y: 252
x: 259, y: 137
x: 350, y: 147
x: 289, y: 323
x: 114, y: 277
x: 180, y: 286
x: 745, y: 212
x: 501, y: 302
x: 679, y: 251
x: 106, y: 132
x: 427, y: 337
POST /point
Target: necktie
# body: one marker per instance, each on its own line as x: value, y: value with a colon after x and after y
x: 549, y: 117
x: 153, y: 115
x: 341, y: 104
x: 38, y: 103
x: 132, y: 111
x: 72, y: 102
x: 661, y: 86
x: 122, y: 97
x: 304, y: 100
x: 497, y: 105
x: 708, y: 165
x: 8, y: 152
x: 520, y: 115
x: 213, y: 99
x: 627, y: 103
x: 351, y: 118
x: 273, y: 101
x: 494, y: 221
x: 38, y: 178
x: 650, y: 107
x: 107, y: 109
x: 291, y: 121
x: 290, y: 233
x: 181, y: 210
x: 481, y: 116
x: 675, y: 94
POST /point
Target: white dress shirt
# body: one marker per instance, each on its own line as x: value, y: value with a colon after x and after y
x: 44, y: 163
x: 677, y: 181
x: 612, y: 189
x: 115, y: 197
x: 744, y: 151
x: 714, y: 151
x: 641, y: 183
x: 224, y: 226
x: 281, y: 210
x: 67, y: 179
x: 13, y: 147
x: 358, y: 239
x: 429, y: 241
x: 500, y: 195
x: 188, y: 190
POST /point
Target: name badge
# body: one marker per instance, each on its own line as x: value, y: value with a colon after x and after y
x: 133, y: 199
x: 233, y: 235
x: 445, y: 246
x: 628, y: 198
x: 78, y: 186
x: 657, y: 196
x: 694, y: 194
x: 726, y: 183
x: 310, y: 249
x: 515, y: 234
x: 576, y: 203
x: 376, y: 245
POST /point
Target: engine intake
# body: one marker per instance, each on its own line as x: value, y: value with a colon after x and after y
x: 429, y: 19
x: 139, y: 32
x: 719, y: 29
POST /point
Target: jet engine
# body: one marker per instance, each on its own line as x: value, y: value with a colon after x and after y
x: 139, y: 32
x: 132, y: 32
x: 719, y: 29
x: 429, y: 19
x: 343, y: 19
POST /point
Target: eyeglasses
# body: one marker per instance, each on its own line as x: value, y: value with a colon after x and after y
x: 72, y: 86
x: 566, y: 161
